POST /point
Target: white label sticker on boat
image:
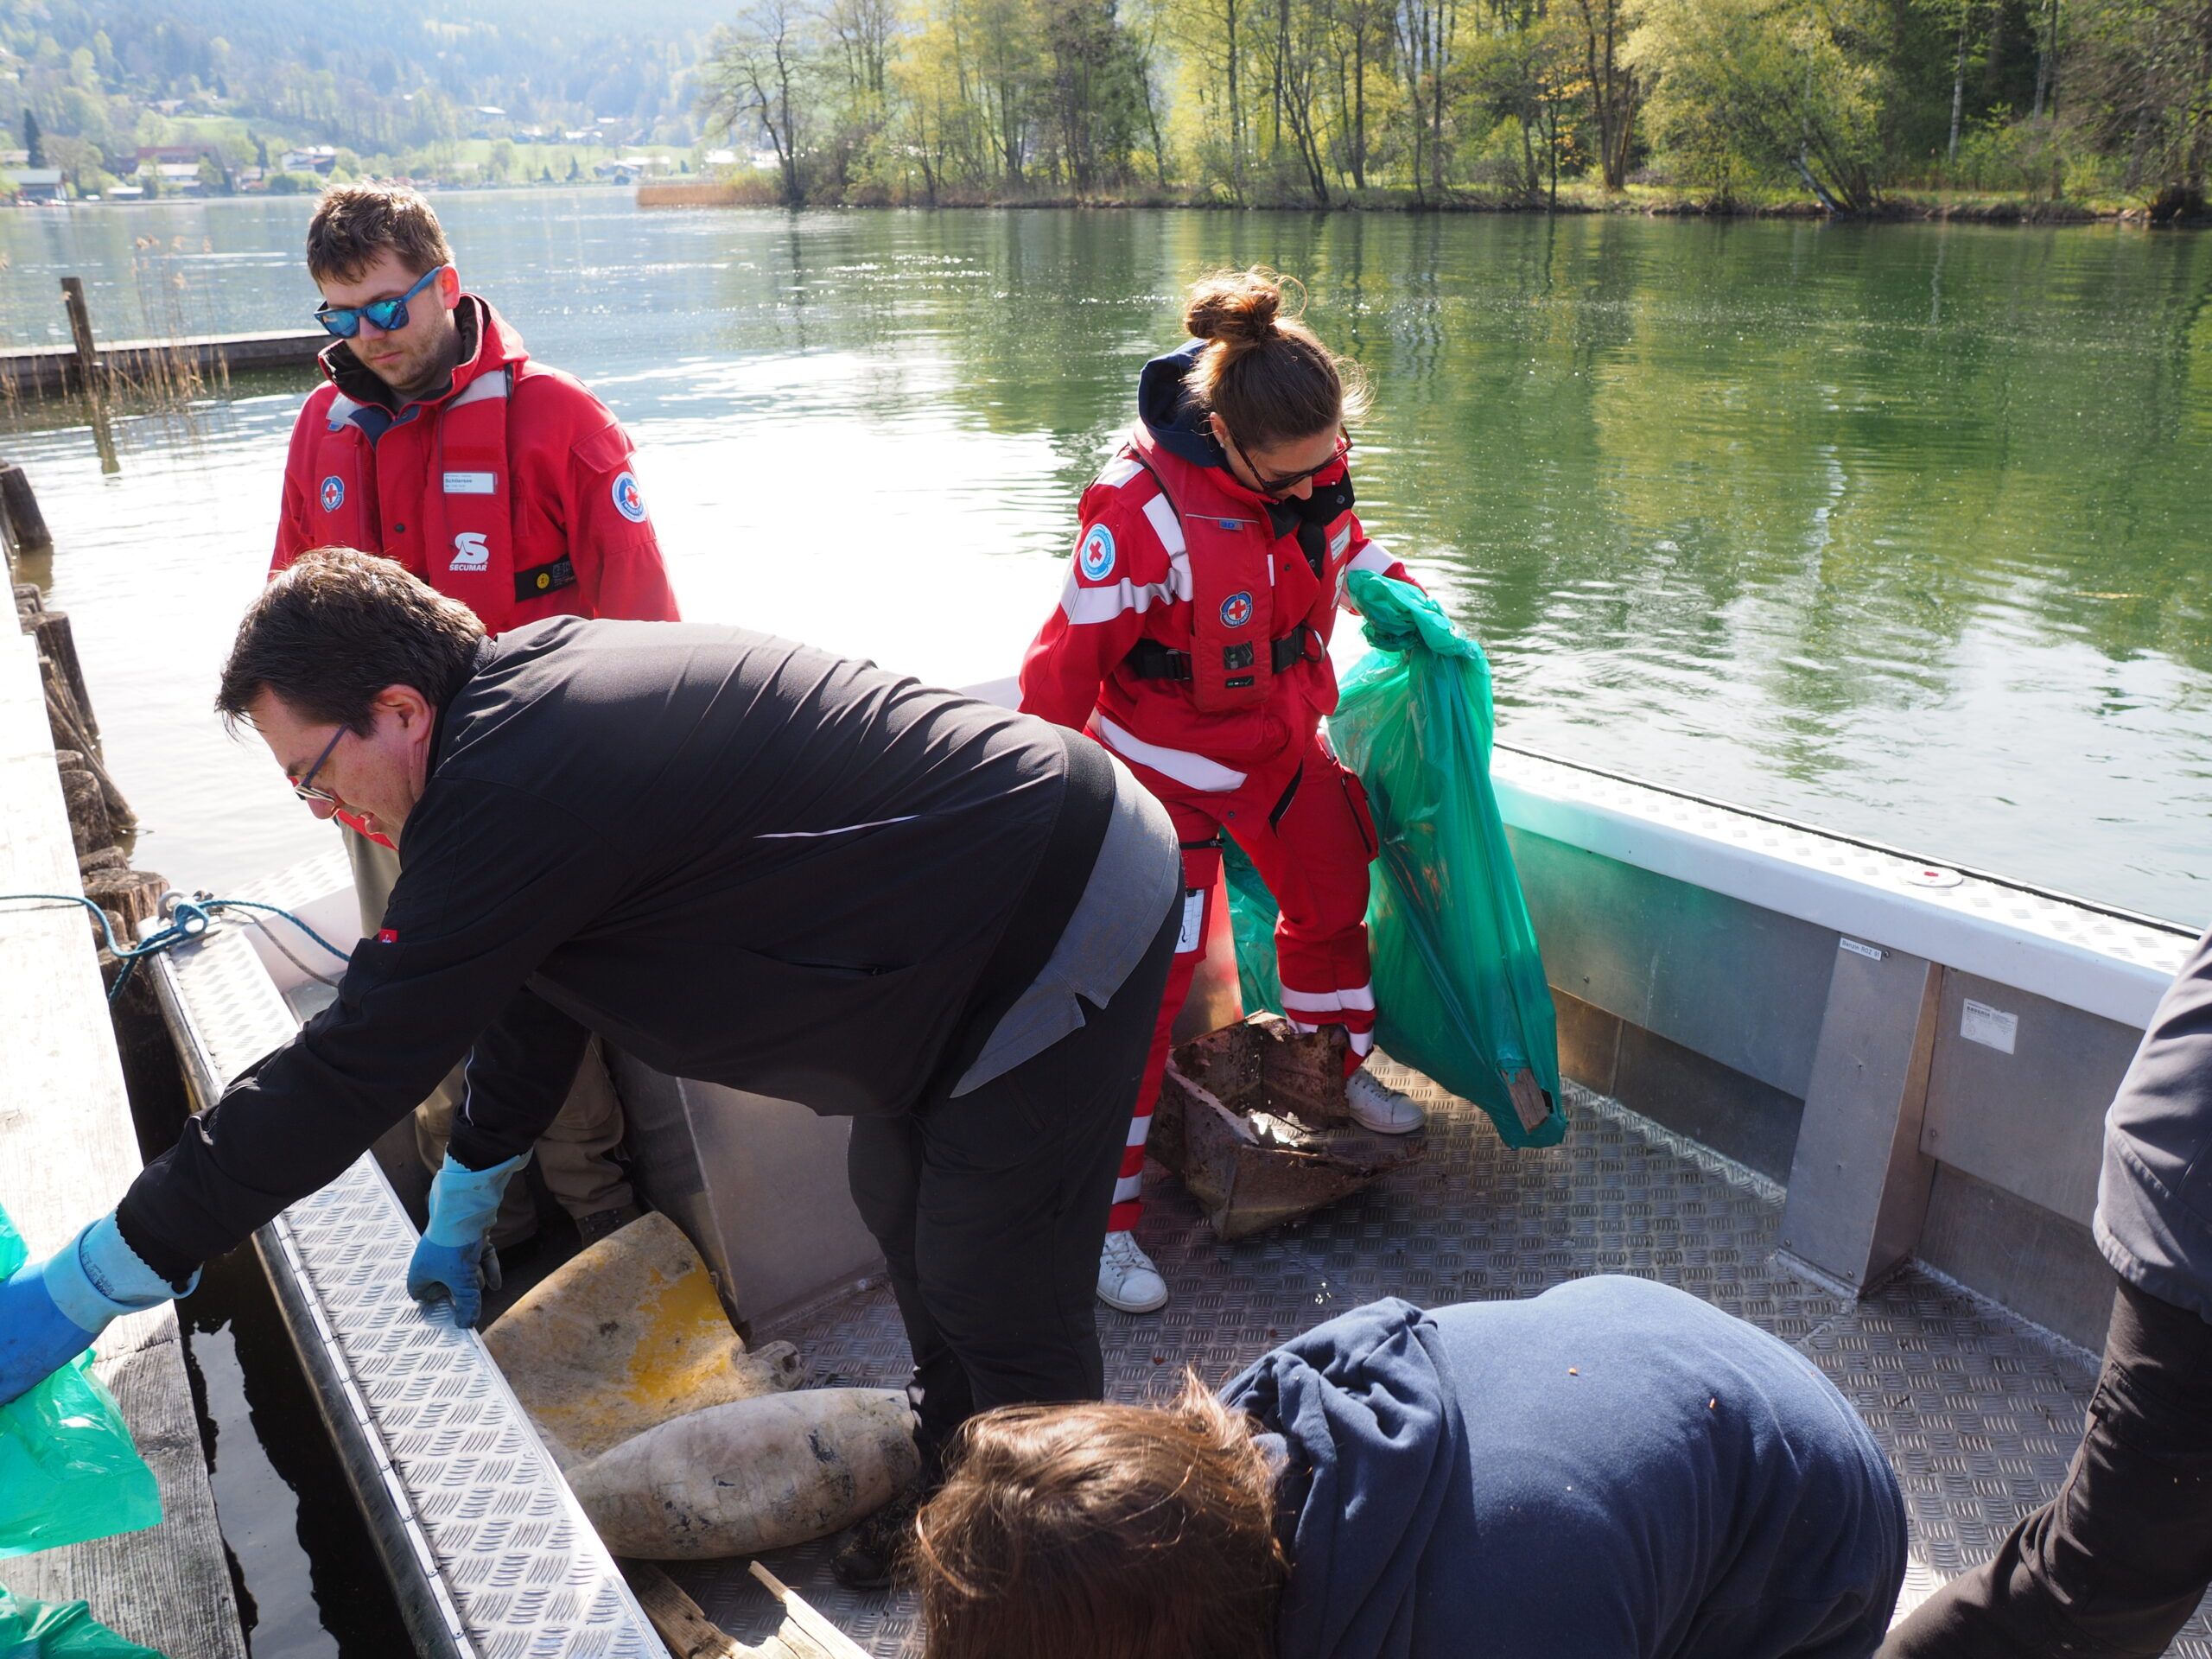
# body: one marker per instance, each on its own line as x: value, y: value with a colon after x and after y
x: 1992, y: 1027
x: 1873, y: 953
x: 1194, y: 921
x: 472, y: 484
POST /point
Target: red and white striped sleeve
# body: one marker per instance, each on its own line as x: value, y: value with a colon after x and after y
x: 1129, y: 564
x: 1370, y: 555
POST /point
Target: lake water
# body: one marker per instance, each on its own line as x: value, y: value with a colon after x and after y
x: 1901, y: 531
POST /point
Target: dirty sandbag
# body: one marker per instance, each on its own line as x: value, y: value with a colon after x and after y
x: 752, y: 1475
x: 1459, y: 988
x: 68, y: 1471
x: 623, y: 1337
x: 60, y: 1629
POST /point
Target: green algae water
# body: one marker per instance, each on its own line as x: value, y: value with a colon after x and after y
x: 1900, y: 529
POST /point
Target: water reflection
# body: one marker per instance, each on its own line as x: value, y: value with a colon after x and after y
x: 1899, y: 530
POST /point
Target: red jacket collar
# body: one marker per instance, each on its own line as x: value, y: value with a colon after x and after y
x: 1159, y: 456
x: 488, y: 343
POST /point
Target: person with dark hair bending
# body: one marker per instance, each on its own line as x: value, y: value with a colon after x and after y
x: 1192, y: 640
x: 747, y: 862
x: 1613, y: 1470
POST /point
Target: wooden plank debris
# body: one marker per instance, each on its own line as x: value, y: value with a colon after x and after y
x: 830, y: 1641
x: 804, y: 1633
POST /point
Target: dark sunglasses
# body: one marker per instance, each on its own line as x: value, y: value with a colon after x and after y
x: 1269, y: 485
x: 389, y: 315
x: 304, y: 787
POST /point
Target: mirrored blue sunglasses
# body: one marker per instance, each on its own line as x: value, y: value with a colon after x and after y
x: 388, y: 315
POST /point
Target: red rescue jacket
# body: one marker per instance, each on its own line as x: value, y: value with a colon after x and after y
x: 1176, y: 560
x: 514, y: 491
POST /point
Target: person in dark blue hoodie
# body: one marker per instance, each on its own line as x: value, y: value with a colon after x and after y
x: 1613, y: 1470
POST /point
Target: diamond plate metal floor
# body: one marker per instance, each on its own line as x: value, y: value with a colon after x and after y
x: 1978, y: 1410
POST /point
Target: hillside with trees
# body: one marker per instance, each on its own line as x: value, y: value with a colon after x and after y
x: 2008, y: 106
x: 399, y: 86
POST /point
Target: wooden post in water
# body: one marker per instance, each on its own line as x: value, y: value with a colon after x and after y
x: 80, y: 330
x: 26, y: 528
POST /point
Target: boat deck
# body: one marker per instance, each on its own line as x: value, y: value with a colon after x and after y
x: 1979, y: 1410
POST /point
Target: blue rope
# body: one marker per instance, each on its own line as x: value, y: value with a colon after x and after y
x: 190, y: 917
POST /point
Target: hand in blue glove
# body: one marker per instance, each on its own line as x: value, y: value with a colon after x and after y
x: 36, y: 1338
x: 452, y: 1259
x: 51, y: 1311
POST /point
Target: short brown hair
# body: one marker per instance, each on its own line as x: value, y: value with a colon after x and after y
x: 354, y: 223
x: 1103, y: 1532
x: 334, y: 628
x: 1263, y: 371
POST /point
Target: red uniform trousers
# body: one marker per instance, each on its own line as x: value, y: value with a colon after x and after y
x: 1305, y: 827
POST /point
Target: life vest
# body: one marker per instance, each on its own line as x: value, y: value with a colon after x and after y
x: 1241, y: 638
x: 466, y: 536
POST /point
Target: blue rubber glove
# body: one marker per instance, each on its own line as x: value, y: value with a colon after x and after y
x: 36, y: 1338
x: 452, y: 1259
x: 51, y: 1311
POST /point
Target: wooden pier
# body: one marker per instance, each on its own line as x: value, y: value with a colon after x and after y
x: 56, y: 371
x: 67, y: 1150
x: 122, y: 366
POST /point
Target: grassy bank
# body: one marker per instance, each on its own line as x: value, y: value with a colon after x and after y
x: 761, y: 190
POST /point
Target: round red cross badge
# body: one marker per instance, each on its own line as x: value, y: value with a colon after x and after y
x: 1235, y: 610
x: 333, y: 493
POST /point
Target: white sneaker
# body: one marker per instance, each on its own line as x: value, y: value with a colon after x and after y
x: 1127, y: 1279
x: 1376, y: 1105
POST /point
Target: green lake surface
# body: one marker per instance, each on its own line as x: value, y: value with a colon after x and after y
x: 1901, y: 531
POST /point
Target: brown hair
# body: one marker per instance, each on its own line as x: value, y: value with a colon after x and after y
x: 334, y: 627
x: 354, y: 223
x: 1263, y: 371
x: 1103, y: 1532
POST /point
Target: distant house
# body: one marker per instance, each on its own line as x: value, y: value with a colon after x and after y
x: 629, y: 170
x: 163, y: 155
x: 316, y: 158
x: 37, y: 183
x: 180, y: 178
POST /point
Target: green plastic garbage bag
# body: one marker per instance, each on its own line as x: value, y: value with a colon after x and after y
x: 1459, y: 988
x: 59, y: 1630
x: 68, y: 1470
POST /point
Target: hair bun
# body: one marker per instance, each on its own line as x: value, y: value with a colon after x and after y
x: 1237, y: 306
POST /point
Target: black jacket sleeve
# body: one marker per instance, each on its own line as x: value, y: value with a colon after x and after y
x: 495, y: 880
x: 520, y: 1072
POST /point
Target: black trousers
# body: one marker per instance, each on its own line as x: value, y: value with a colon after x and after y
x: 2117, y: 1562
x: 991, y: 1211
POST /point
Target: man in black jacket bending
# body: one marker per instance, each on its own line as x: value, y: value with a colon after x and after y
x: 739, y: 859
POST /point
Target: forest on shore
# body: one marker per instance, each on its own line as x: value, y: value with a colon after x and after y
x: 1998, y: 108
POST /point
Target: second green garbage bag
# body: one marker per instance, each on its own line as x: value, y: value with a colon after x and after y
x: 1459, y: 987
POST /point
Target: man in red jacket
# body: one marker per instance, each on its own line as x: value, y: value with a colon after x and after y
x: 435, y: 441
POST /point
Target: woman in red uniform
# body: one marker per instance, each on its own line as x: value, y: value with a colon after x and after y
x: 1192, y: 640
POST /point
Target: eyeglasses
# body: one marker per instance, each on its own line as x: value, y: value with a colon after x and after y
x: 304, y: 787
x: 1290, y: 480
x: 389, y: 315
